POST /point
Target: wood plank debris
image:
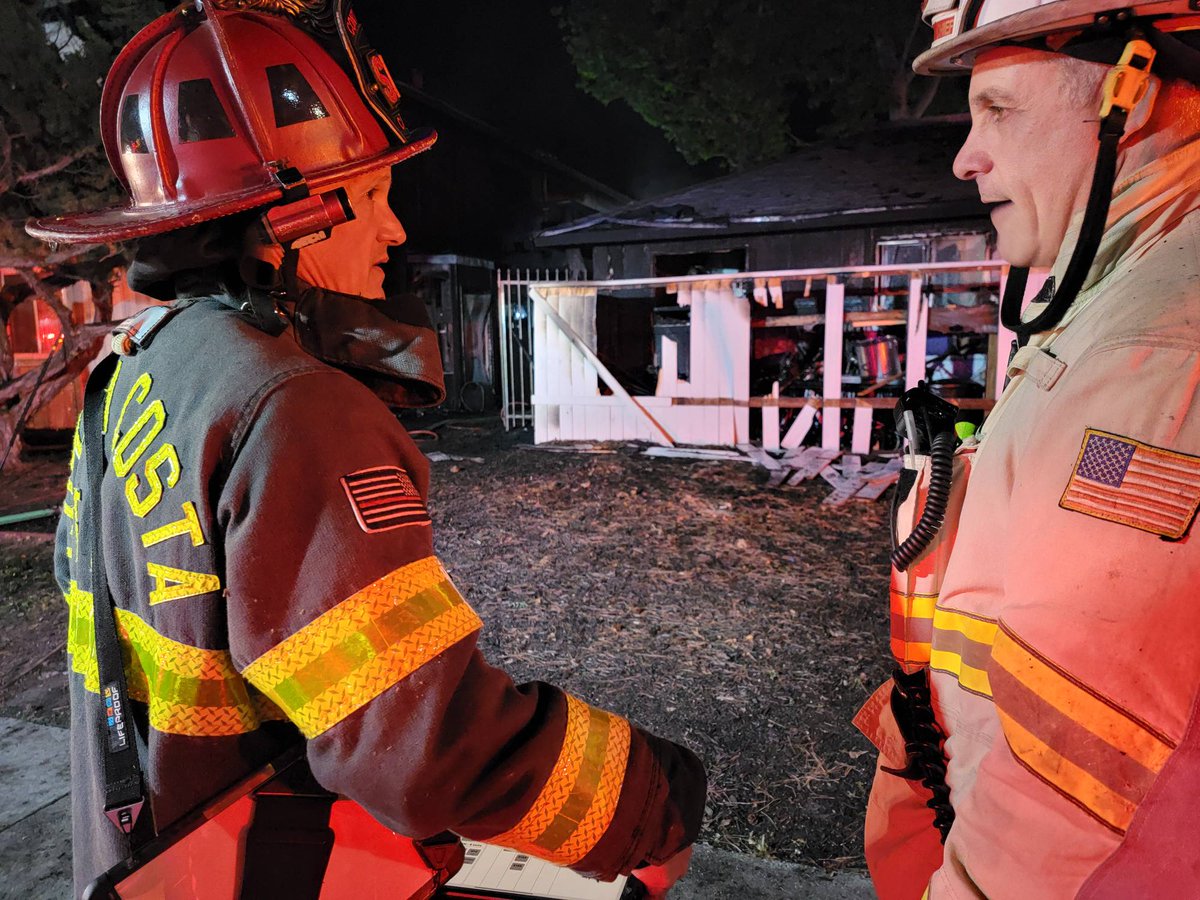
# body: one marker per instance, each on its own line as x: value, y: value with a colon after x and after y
x: 567, y: 448
x: 846, y: 481
x: 850, y: 475
x: 439, y: 456
x: 810, y: 463
x: 761, y: 456
x: 879, y: 477
x: 704, y: 453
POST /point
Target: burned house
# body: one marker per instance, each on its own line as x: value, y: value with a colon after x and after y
x: 844, y: 258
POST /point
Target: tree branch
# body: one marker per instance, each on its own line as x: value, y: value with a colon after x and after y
x: 52, y: 300
x: 5, y: 160
x: 91, y: 338
x: 927, y: 97
x: 56, y: 166
x: 7, y: 360
x: 54, y: 258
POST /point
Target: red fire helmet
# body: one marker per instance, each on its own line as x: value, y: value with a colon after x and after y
x: 223, y: 106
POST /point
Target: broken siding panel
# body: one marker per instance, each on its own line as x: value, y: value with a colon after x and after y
x: 720, y: 366
x: 799, y: 428
x: 860, y: 438
x: 770, y: 422
x: 542, y: 363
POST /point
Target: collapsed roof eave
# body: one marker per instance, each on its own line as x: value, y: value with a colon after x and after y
x: 597, y: 230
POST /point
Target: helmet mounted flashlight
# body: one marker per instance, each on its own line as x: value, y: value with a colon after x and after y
x: 302, y: 223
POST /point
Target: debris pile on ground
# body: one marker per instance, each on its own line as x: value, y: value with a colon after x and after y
x: 851, y: 479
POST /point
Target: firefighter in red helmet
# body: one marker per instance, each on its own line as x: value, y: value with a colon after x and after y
x: 242, y: 493
x: 1041, y: 736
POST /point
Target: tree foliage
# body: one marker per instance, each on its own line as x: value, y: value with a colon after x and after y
x: 52, y: 161
x: 742, y: 80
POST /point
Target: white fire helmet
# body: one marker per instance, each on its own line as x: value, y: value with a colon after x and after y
x: 961, y: 28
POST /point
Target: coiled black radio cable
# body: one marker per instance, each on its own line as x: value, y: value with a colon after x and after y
x: 941, y: 464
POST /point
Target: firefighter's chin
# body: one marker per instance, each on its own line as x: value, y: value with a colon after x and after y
x: 1014, y: 242
x: 1019, y: 240
x: 374, y: 287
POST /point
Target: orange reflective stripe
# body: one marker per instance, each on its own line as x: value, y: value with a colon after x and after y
x: 355, y: 651
x: 1101, y: 757
x: 577, y: 803
x: 1078, y: 785
x: 1100, y: 716
x: 912, y: 628
x: 189, y: 690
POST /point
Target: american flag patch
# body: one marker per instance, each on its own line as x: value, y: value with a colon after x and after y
x: 1124, y: 480
x: 384, y: 498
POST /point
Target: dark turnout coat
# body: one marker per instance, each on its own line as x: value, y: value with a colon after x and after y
x: 271, y: 559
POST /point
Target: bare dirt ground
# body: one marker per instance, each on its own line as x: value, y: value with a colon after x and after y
x: 745, y: 622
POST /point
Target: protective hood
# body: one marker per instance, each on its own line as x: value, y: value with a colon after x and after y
x: 388, y: 345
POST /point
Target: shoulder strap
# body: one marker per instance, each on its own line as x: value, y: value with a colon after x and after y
x: 123, y: 786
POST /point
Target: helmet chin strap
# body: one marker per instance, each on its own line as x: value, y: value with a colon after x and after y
x: 1124, y: 87
x: 287, y: 273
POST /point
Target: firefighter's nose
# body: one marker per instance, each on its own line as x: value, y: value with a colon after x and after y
x: 972, y: 160
x: 391, y: 231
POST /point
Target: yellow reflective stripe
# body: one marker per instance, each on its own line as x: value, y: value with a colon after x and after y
x: 968, y: 676
x: 81, y: 637
x: 962, y: 645
x: 355, y: 651
x: 1084, y: 789
x: 1115, y: 727
x: 980, y: 630
x: 189, y: 690
x: 577, y: 803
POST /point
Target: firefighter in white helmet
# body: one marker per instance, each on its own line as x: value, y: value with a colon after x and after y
x: 1040, y: 736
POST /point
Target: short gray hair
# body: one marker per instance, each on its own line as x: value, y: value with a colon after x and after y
x: 1083, y: 81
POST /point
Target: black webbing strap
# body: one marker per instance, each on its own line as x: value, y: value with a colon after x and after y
x: 123, y: 788
x: 289, y: 841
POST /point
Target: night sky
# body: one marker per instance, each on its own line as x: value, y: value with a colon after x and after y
x: 505, y: 63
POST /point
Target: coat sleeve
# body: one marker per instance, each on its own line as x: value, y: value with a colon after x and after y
x: 341, y: 614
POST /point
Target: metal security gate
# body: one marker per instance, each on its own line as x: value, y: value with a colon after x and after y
x: 516, y: 340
